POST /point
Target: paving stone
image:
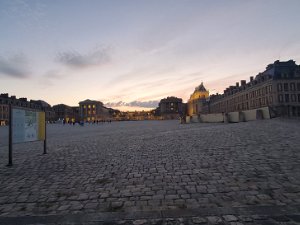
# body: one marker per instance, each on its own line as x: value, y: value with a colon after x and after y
x: 214, y: 220
x: 139, y: 222
x: 155, y: 165
x: 199, y: 220
x: 230, y: 218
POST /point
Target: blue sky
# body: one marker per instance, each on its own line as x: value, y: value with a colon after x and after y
x: 135, y: 52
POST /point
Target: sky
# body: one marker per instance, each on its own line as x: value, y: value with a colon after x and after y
x: 132, y: 53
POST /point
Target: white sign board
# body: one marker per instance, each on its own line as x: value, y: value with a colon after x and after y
x: 27, y: 125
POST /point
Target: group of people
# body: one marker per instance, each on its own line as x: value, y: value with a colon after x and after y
x: 89, y: 122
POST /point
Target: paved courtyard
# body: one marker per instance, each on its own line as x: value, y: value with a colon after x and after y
x: 155, y: 172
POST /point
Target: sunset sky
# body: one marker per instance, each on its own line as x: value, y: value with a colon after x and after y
x: 135, y: 52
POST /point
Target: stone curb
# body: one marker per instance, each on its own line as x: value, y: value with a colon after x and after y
x: 268, y: 211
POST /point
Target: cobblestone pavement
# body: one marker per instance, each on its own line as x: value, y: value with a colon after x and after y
x: 155, y: 172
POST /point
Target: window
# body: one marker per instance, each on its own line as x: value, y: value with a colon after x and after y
x: 94, y: 106
x: 286, y: 87
x: 292, y: 86
x: 298, y: 97
x: 293, y: 98
x: 270, y: 99
x: 279, y: 87
x: 270, y: 88
x: 298, y: 86
x: 287, y: 97
x: 280, y: 98
x: 267, y: 89
x: 89, y: 106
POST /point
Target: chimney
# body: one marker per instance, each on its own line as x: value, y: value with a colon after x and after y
x: 251, y: 79
x: 237, y: 84
x: 243, y: 83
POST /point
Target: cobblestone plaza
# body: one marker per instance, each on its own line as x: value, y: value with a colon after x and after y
x: 155, y: 172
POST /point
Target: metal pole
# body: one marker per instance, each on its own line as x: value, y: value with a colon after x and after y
x: 45, y: 140
x: 10, y: 137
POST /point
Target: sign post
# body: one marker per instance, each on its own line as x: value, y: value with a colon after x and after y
x: 10, y: 137
x: 45, y: 138
x: 25, y: 125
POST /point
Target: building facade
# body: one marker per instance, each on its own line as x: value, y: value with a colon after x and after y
x: 6, y: 100
x: 171, y: 108
x: 66, y: 113
x: 278, y: 88
x: 4, y: 114
x: 197, y: 100
x: 91, y: 110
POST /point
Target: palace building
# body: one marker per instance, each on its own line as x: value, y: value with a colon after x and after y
x: 91, y: 110
x: 66, y: 113
x: 6, y: 100
x: 171, y: 108
x: 277, y: 88
x: 197, y: 100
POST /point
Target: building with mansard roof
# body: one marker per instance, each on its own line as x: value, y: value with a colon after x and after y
x: 278, y: 88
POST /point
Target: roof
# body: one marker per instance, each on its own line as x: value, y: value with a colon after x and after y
x: 88, y: 101
x: 171, y: 99
x: 201, y: 88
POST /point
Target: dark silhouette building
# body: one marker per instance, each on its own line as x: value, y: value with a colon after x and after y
x: 171, y: 108
x: 6, y: 100
x: 66, y: 113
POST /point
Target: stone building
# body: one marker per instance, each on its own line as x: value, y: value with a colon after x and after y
x: 90, y: 110
x: 278, y: 88
x: 76, y: 113
x: 197, y: 100
x: 4, y: 114
x: 171, y: 108
x: 6, y: 100
x: 66, y: 113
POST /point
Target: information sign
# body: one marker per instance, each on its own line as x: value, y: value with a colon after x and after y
x: 27, y: 125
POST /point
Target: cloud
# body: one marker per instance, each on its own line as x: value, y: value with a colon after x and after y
x: 75, y: 59
x: 16, y: 66
x: 53, y: 74
x: 144, y: 104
